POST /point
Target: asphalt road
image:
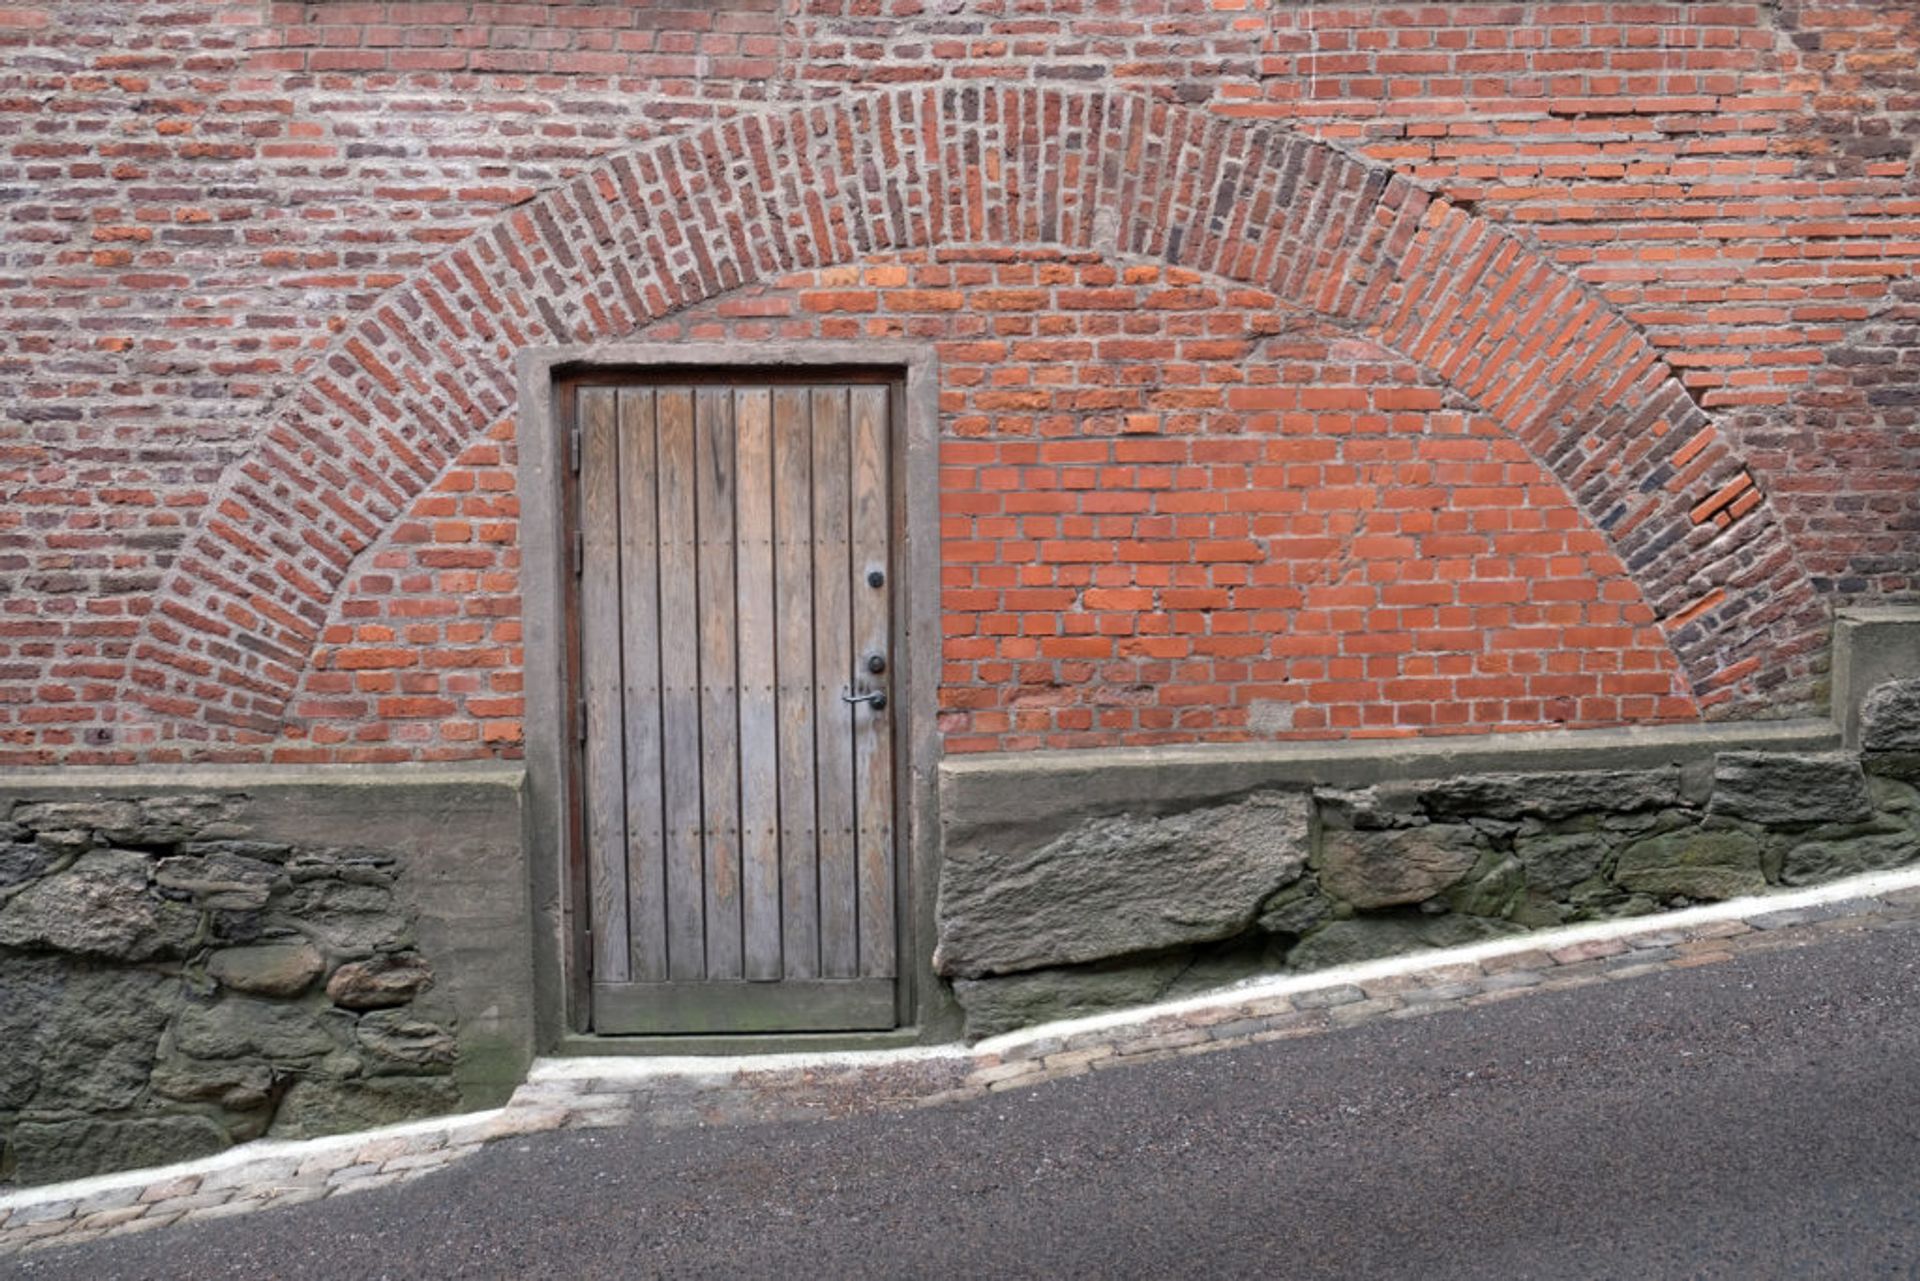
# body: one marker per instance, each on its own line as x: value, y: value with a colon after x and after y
x: 1758, y: 1118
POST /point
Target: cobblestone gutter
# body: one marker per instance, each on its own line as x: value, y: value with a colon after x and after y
x: 587, y: 1092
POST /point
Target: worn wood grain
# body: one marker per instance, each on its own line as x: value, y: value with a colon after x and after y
x: 872, y: 730
x: 833, y: 675
x: 802, y: 1005
x: 759, y: 740
x: 793, y: 575
x: 640, y: 686
x: 719, y: 679
x: 604, y: 752
x: 680, y: 687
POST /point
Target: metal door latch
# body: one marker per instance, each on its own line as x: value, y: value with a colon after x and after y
x: 877, y: 699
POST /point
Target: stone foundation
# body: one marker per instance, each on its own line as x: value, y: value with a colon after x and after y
x: 1099, y: 905
x: 187, y: 967
x: 193, y: 958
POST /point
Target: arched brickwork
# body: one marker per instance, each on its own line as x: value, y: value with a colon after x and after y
x: 411, y: 382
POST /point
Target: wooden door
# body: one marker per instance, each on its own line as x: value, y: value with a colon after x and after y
x: 734, y: 615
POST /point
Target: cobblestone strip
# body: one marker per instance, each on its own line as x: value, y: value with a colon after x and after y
x: 252, y: 1178
x: 585, y: 1092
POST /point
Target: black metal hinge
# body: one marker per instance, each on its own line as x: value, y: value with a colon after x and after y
x: 573, y: 445
x: 579, y: 554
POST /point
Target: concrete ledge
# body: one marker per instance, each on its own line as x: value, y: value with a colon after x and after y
x: 1034, y: 787
x: 1870, y: 646
x: 113, y: 780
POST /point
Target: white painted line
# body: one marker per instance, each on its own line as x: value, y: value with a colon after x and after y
x: 625, y: 1067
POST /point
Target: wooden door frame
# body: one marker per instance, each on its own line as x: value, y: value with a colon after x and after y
x: 554, y: 843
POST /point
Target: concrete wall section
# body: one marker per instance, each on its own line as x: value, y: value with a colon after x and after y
x: 193, y: 958
x: 1870, y: 648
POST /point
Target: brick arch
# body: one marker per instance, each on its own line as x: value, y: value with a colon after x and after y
x: 649, y: 231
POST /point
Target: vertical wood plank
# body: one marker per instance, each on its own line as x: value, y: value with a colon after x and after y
x: 680, y: 687
x: 759, y: 745
x: 576, y: 906
x: 719, y: 690
x: 640, y: 688
x: 833, y: 674
x: 604, y: 764
x: 872, y: 731
x: 793, y: 574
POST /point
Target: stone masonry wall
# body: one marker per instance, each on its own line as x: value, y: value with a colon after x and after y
x: 1118, y: 909
x: 171, y: 984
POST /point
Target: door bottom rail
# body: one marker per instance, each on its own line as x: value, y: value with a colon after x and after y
x: 710, y: 1005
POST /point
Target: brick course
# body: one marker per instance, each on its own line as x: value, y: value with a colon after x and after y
x: 266, y: 263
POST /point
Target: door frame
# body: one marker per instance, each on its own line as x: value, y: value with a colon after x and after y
x: 926, y: 1011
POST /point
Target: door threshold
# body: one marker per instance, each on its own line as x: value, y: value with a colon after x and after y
x: 589, y: 1045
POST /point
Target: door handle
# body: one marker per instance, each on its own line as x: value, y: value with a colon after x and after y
x: 876, y: 699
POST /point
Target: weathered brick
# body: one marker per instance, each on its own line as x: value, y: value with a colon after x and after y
x: 1737, y: 234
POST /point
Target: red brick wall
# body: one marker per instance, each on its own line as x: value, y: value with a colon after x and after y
x: 422, y: 657
x: 1177, y: 512
x: 203, y: 201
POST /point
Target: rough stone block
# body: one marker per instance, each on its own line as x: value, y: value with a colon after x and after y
x: 314, y: 1108
x: 1368, y: 938
x: 1890, y: 717
x: 20, y: 862
x: 97, y: 1041
x: 1552, y: 796
x: 1296, y: 908
x: 1115, y: 885
x: 224, y: 882
x: 1493, y: 888
x: 32, y: 988
x: 101, y: 906
x: 239, y: 1026
x: 50, y: 1151
x: 259, y: 851
x: 1814, y: 861
x: 996, y: 1005
x: 1695, y: 863
x: 379, y: 982
x: 349, y: 917
x: 271, y: 969
x: 1369, y: 808
x: 1784, y: 788
x: 238, y: 1084
x: 402, y: 1038
x: 1406, y: 865
x: 1556, y: 862
x: 113, y: 819
x: 166, y: 820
